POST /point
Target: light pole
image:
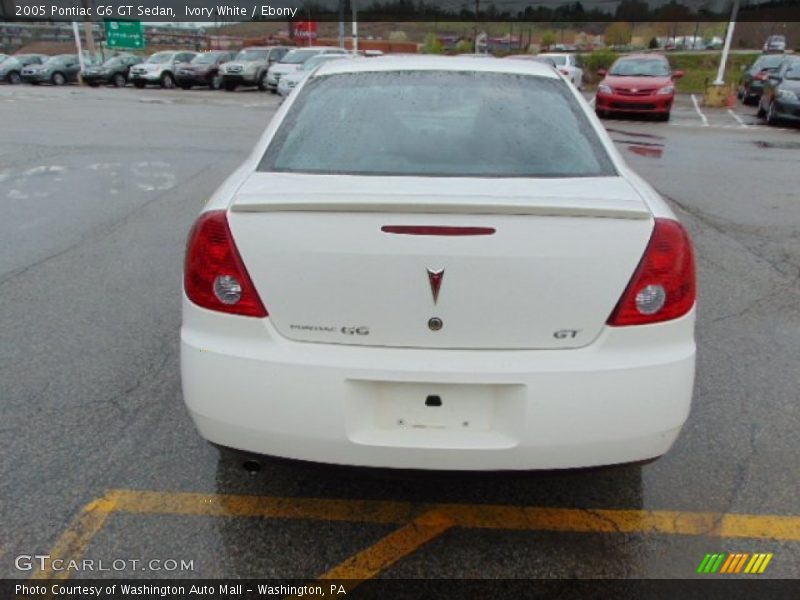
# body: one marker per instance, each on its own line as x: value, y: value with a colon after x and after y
x: 720, y: 80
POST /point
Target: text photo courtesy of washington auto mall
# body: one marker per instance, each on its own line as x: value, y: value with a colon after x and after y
x: 399, y: 299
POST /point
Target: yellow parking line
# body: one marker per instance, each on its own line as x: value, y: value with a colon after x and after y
x: 388, y: 550
x: 74, y: 541
x: 416, y: 518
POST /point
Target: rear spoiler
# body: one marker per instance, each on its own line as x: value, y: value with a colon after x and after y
x: 479, y: 205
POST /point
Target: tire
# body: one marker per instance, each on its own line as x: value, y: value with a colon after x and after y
x: 139, y: 84
x: 601, y: 114
x: 167, y: 81
x: 761, y: 112
x: 664, y: 117
x: 215, y: 82
x: 262, y: 82
x: 772, y: 119
x: 14, y: 78
x: 229, y: 86
x: 58, y: 79
x: 119, y: 80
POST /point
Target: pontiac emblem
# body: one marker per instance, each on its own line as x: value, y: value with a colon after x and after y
x: 435, y: 279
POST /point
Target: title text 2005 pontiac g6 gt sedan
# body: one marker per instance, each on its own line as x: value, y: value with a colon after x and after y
x: 438, y: 263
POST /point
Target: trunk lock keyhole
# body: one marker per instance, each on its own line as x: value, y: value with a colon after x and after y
x: 433, y: 400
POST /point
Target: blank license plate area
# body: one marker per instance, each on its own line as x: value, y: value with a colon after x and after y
x: 412, y: 406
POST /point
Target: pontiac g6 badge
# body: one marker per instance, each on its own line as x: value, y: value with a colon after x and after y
x: 435, y: 279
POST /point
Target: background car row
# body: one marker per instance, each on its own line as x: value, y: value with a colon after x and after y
x: 261, y: 67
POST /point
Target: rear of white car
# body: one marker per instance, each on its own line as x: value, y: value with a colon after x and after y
x: 567, y: 65
x: 438, y: 287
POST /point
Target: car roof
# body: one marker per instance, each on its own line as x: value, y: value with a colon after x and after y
x: 411, y: 62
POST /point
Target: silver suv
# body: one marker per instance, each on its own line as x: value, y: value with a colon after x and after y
x: 159, y: 69
x: 250, y: 67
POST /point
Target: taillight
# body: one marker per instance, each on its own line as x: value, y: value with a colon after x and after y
x: 563, y: 71
x: 214, y: 275
x: 663, y: 285
x: 761, y: 76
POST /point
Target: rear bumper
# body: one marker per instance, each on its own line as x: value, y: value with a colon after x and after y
x: 655, y: 104
x: 239, y: 79
x: 147, y: 77
x: 192, y: 78
x: 622, y: 399
x: 788, y: 111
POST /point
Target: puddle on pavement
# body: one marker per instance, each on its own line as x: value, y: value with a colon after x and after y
x: 635, y: 134
x: 646, y: 149
x: 778, y: 145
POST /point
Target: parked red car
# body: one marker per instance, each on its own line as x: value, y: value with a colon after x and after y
x: 639, y: 84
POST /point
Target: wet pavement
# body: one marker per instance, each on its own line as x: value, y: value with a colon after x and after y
x: 99, y: 188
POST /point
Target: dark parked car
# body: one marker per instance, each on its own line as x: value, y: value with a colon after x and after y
x: 58, y: 70
x: 753, y: 81
x: 203, y: 70
x: 780, y: 100
x: 11, y: 67
x: 115, y: 71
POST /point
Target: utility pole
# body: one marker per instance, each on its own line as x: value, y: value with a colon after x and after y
x: 87, y: 30
x: 475, y: 28
x: 720, y: 80
x: 355, y: 27
x: 341, y: 23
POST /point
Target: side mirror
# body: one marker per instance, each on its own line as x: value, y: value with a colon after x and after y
x: 677, y: 74
x: 602, y: 72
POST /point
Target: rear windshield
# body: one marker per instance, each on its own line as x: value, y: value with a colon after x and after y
x: 296, y: 57
x: 251, y: 55
x: 768, y: 62
x: 437, y: 123
x: 159, y: 58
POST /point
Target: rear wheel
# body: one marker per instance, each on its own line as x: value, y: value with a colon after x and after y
x: 262, y: 82
x: 58, y: 79
x: 167, y: 81
x: 119, y: 80
x: 216, y: 82
x: 14, y: 78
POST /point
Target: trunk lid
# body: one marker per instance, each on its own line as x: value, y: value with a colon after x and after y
x: 559, y: 258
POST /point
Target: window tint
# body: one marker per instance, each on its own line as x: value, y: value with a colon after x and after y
x: 437, y: 123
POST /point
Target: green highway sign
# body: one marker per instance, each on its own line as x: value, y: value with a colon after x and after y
x: 124, y: 34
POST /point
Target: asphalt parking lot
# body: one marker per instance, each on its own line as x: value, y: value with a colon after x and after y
x: 100, y: 460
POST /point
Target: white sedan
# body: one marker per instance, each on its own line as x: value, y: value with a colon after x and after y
x: 438, y: 263
x: 567, y: 65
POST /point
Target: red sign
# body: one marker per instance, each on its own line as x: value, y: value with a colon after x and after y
x: 306, y: 30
